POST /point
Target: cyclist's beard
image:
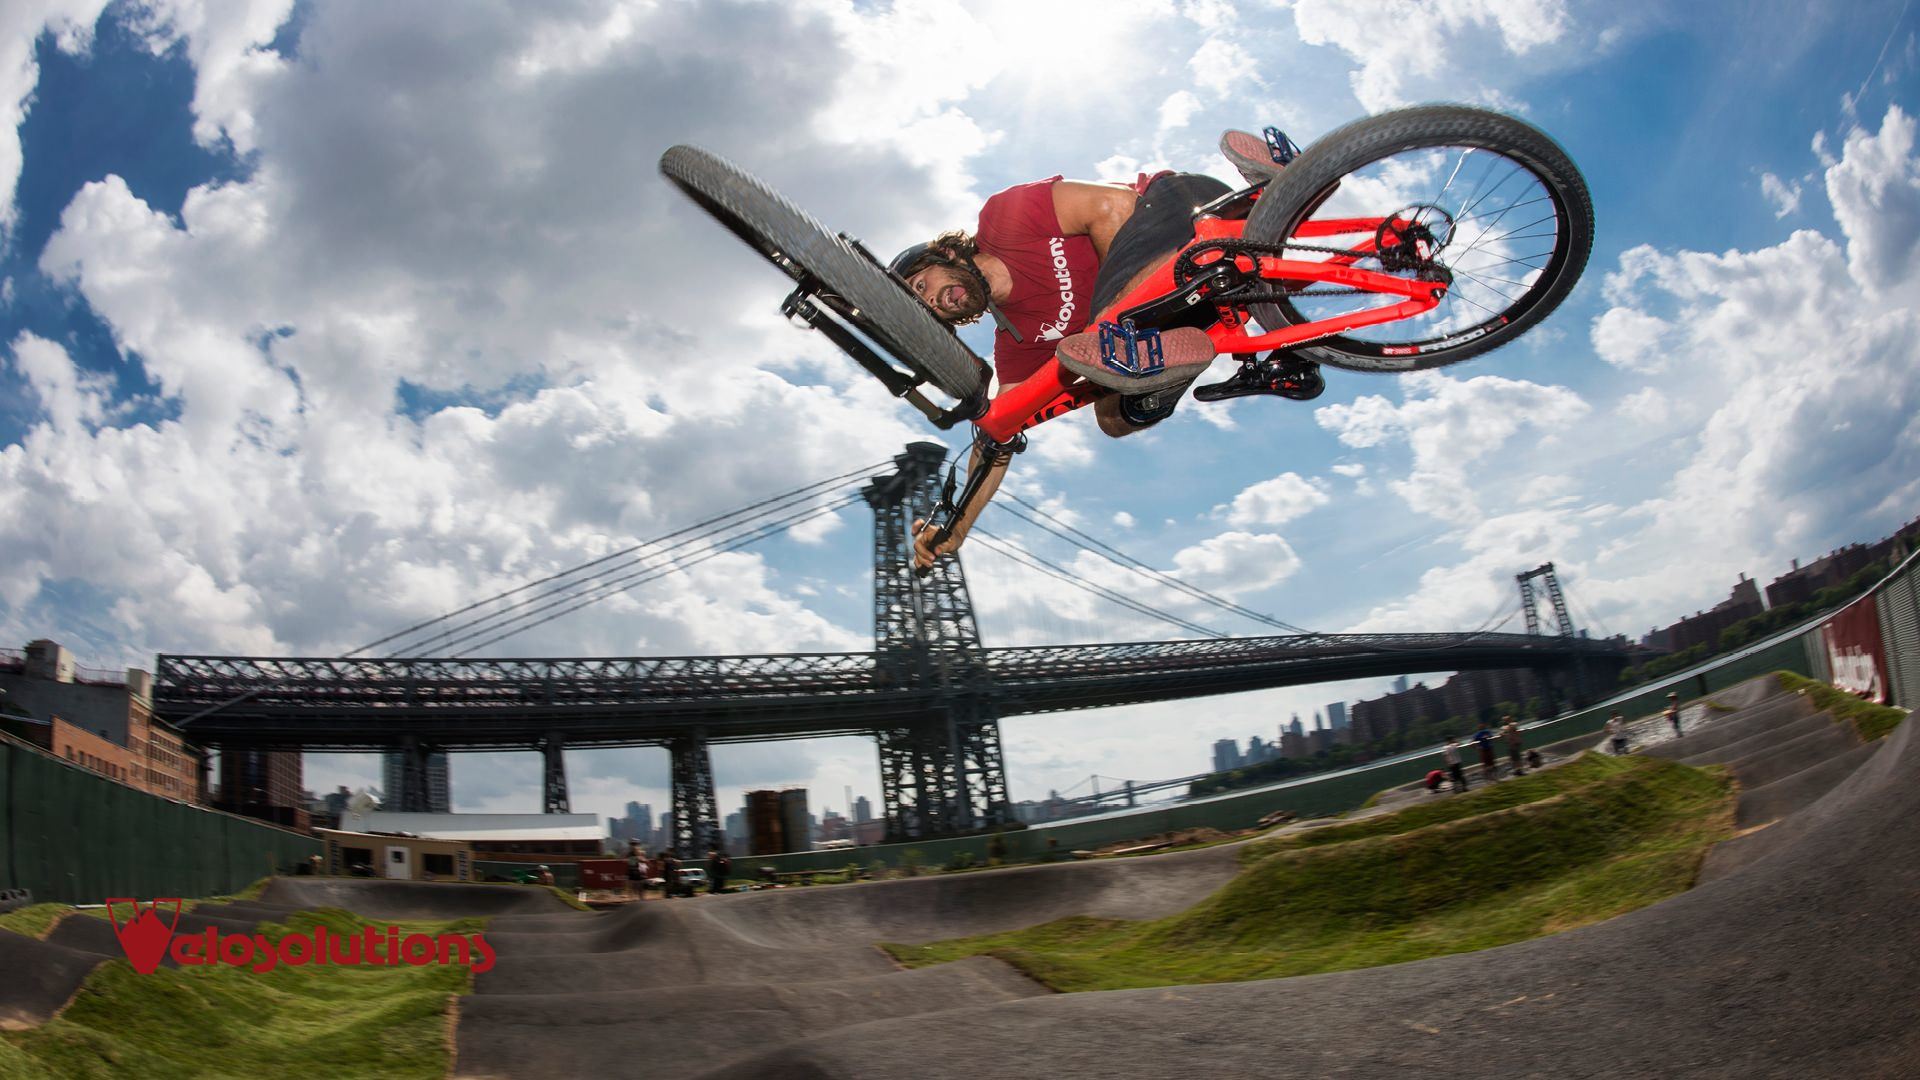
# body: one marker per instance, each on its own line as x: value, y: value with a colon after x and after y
x: 972, y: 304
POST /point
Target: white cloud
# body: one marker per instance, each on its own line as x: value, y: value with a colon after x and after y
x: 1276, y: 501
x: 1632, y: 340
x: 1784, y: 196
x: 1451, y: 425
x: 1430, y: 42
x: 1234, y: 563
x: 1123, y: 519
x: 1647, y: 406
x: 1875, y: 190
x: 70, y: 397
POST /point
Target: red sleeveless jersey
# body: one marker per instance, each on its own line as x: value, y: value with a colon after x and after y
x: 1053, y: 276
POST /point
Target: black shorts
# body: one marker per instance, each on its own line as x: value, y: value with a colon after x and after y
x: 1161, y: 224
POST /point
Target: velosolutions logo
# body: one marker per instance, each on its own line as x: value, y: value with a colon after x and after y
x: 147, y: 938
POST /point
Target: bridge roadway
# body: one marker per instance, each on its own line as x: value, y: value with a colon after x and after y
x: 367, y: 704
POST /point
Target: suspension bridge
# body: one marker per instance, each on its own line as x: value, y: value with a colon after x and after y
x: 930, y: 693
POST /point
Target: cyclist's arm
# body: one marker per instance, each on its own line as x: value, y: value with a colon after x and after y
x: 924, y: 551
x: 1093, y: 210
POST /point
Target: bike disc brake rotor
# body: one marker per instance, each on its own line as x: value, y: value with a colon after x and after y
x: 1482, y: 221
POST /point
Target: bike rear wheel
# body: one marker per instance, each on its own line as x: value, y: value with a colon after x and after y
x: 1512, y: 216
x: 852, y: 282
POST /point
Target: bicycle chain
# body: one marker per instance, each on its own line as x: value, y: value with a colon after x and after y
x: 1188, y: 264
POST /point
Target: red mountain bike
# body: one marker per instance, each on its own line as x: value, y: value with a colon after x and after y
x: 1400, y: 242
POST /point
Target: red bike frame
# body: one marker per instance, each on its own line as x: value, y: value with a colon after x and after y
x: 1053, y: 391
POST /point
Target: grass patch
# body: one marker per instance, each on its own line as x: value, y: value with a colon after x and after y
x: 219, y: 1021
x: 1599, y: 838
x: 1870, y: 720
x: 37, y: 920
x: 1439, y: 809
x: 34, y: 920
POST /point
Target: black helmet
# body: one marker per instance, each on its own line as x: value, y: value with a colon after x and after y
x: 920, y: 256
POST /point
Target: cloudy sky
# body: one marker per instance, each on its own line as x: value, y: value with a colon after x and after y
x: 320, y: 320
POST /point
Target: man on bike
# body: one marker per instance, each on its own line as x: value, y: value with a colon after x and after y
x: 1045, y: 259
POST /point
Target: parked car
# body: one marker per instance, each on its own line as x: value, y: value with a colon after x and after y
x: 692, y: 880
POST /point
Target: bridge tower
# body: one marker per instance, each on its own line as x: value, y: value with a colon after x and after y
x: 1562, y: 622
x: 943, y: 774
x: 1554, y: 595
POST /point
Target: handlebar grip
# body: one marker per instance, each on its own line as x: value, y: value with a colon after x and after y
x: 940, y: 536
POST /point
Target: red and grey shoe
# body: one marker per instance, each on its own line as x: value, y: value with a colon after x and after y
x: 1184, y: 352
x: 1252, y: 155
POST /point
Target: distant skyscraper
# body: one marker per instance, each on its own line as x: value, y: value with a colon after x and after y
x: 1400, y: 685
x: 439, y: 784
x: 1297, y: 728
x: 1226, y: 755
x: 1337, y: 715
x: 862, y: 810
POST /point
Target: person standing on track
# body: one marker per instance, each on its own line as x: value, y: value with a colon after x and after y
x: 1617, y: 731
x: 718, y: 867
x: 1511, y: 732
x: 1484, y: 740
x: 1048, y: 257
x: 1451, y: 755
x: 1672, y: 711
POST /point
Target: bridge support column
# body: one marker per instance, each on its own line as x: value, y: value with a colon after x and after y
x: 944, y: 774
x: 413, y: 793
x: 696, y: 810
x: 553, y: 754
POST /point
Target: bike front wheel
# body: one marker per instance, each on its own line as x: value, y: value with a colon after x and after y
x: 1507, y: 216
x: 855, y: 285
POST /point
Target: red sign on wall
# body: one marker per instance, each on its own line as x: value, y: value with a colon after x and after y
x: 1854, y: 654
x: 603, y: 873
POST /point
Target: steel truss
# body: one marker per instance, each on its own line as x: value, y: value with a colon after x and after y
x: 942, y: 771
x: 696, y: 809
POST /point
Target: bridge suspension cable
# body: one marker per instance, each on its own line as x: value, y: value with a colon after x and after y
x: 691, y: 534
x: 1100, y: 547
x: 1096, y: 546
x: 1053, y: 570
x: 593, y: 594
x: 689, y: 537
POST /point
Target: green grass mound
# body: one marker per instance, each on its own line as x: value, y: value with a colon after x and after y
x: 1481, y: 799
x: 1870, y: 720
x: 220, y: 1021
x: 1607, y: 836
x: 35, y: 920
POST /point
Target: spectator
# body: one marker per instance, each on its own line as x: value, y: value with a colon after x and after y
x: 1533, y: 759
x: 718, y: 867
x: 1488, y: 770
x: 1617, y: 731
x: 637, y: 870
x: 1672, y: 712
x: 1451, y: 755
x: 1511, y: 732
x: 546, y: 875
x: 670, y: 872
x: 1435, y: 779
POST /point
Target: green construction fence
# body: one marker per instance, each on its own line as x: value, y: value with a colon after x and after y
x: 73, y: 836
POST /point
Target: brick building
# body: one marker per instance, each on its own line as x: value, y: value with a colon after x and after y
x: 264, y: 784
x: 1704, y: 627
x: 102, y: 720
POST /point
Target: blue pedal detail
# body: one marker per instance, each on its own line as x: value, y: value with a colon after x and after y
x: 1281, y: 147
x: 1113, y: 335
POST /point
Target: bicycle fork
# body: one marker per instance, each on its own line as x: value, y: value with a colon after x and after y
x: 992, y: 457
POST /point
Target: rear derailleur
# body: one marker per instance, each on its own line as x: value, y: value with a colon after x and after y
x: 1285, y: 376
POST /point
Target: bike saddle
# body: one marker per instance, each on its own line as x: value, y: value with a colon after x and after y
x: 1287, y: 377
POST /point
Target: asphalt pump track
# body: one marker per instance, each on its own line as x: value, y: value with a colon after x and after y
x: 1796, y: 955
